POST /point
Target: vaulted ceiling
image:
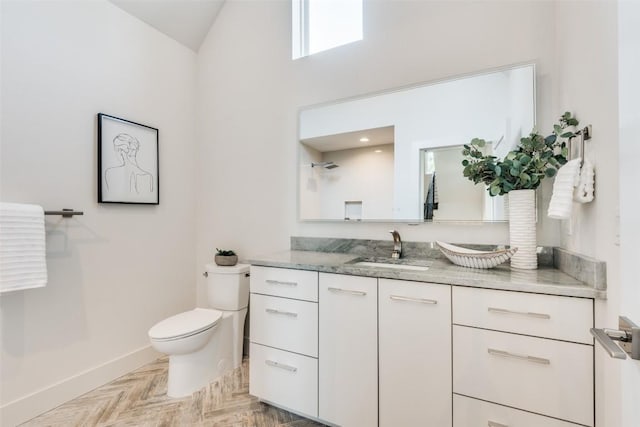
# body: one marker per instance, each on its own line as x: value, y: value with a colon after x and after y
x: 186, y: 21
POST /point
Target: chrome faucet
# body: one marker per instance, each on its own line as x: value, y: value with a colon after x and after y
x: 397, y: 245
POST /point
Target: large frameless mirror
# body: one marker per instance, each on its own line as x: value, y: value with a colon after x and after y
x: 396, y: 156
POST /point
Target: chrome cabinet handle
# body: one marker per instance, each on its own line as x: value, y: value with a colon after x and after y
x: 420, y: 300
x: 286, y: 313
x: 278, y: 282
x: 533, y: 359
x: 347, y: 291
x: 520, y: 313
x: 281, y: 365
x: 495, y: 424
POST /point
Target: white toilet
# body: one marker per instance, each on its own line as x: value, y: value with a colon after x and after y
x: 205, y: 343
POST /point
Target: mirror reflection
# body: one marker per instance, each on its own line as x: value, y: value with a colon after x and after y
x: 447, y: 195
x: 396, y: 156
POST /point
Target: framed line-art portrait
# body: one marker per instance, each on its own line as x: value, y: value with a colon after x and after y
x: 127, y: 162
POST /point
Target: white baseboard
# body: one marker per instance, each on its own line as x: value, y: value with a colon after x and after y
x: 34, y: 404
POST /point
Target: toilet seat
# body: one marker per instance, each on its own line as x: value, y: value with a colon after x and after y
x: 185, y: 324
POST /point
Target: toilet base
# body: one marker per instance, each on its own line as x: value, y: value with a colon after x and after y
x: 190, y: 372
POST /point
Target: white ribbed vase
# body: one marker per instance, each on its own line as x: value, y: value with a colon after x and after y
x: 522, y: 228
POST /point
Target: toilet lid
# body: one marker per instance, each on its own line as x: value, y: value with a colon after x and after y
x: 185, y: 324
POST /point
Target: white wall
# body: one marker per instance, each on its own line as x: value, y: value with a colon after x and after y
x: 250, y: 92
x: 600, y: 94
x: 629, y: 91
x: 118, y: 269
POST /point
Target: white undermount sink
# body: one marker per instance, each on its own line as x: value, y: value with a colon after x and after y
x: 393, y: 266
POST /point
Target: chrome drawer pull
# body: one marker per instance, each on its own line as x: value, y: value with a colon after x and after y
x: 420, y: 300
x: 533, y: 359
x: 495, y: 424
x: 521, y: 313
x: 278, y: 282
x: 281, y: 366
x: 286, y: 313
x: 348, y: 291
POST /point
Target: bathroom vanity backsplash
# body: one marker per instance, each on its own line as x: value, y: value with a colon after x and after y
x: 588, y: 270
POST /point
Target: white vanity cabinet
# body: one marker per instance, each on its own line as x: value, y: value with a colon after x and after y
x: 524, y: 351
x: 414, y: 327
x: 284, y: 338
x: 348, y: 350
x: 355, y: 351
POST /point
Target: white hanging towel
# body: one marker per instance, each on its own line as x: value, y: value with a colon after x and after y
x: 567, y: 178
x: 23, y: 262
x: 584, y: 190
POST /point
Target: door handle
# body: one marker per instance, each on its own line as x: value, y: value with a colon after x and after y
x: 628, y: 337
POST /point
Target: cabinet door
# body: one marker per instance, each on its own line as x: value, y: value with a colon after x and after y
x: 547, y: 316
x: 284, y: 323
x: 415, y: 353
x: 284, y: 282
x: 468, y: 412
x: 348, y: 350
x: 283, y: 378
x: 548, y: 377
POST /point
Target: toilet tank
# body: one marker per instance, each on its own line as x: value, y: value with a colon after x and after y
x: 228, y: 287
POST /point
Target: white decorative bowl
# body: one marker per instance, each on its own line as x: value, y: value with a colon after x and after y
x: 475, y: 259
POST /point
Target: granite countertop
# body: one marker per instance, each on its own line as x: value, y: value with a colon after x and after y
x: 544, y: 280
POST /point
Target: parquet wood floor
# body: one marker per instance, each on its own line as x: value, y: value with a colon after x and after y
x: 139, y: 399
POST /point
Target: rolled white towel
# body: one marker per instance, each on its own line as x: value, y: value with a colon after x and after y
x: 561, y: 202
x: 584, y: 190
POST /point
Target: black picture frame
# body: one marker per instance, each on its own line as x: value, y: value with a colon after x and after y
x: 128, y: 162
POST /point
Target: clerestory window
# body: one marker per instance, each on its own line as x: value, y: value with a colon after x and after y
x: 320, y: 25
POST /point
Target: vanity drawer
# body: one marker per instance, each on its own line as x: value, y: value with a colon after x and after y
x: 548, y: 316
x: 469, y: 412
x: 284, y: 323
x: 286, y: 379
x: 553, y: 378
x: 284, y: 282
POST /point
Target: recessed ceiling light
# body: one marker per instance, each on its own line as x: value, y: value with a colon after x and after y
x: 377, y: 151
x: 364, y: 139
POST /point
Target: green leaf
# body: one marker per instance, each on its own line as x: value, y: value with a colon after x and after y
x: 494, y: 190
x: 525, y: 160
x: 514, y: 172
x: 497, y: 170
x: 567, y: 135
x: 550, y: 172
x: 465, y: 162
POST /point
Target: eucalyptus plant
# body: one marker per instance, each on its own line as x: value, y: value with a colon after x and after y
x: 525, y: 167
